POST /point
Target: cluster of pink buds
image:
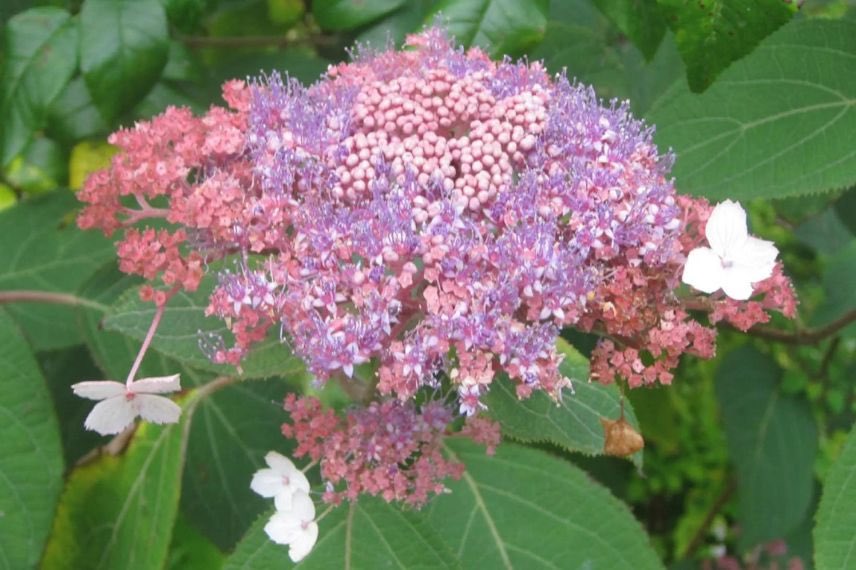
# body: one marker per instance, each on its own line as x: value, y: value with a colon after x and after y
x: 390, y: 449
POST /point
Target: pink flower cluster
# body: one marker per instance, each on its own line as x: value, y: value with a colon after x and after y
x: 389, y: 449
x: 169, y: 161
x: 647, y: 327
x: 430, y: 211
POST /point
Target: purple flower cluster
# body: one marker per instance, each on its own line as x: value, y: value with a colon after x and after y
x: 431, y: 210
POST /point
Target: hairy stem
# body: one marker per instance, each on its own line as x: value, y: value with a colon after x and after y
x: 51, y: 297
x: 159, y: 311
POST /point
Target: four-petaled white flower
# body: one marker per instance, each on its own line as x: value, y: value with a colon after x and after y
x: 295, y: 526
x: 121, y: 404
x: 735, y: 260
x: 280, y: 481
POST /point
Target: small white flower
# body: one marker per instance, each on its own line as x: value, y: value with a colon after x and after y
x: 735, y: 260
x: 120, y: 404
x: 280, y: 481
x: 295, y: 527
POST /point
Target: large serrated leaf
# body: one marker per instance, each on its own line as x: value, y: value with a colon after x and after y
x: 232, y: 431
x: 574, y: 423
x: 40, y: 57
x: 772, y: 440
x: 30, y: 452
x: 713, y: 33
x: 500, y: 27
x: 365, y: 535
x: 124, y: 46
x: 179, y: 333
x: 525, y: 509
x: 45, y: 251
x: 834, y: 536
x: 778, y: 123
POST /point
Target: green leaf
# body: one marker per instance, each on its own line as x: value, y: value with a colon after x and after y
x: 124, y: 45
x: 340, y: 15
x: 61, y: 369
x: 839, y: 283
x: 48, y: 254
x: 639, y: 20
x: 778, y: 123
x: 30, y: 452
x: 118, y: 511
x: 772, y: 440
x: 499, y: 26
x: 73, y: 116
x: 846, y: 208
x: 40, y: 57
x: 180, y: 329
x: 834, y: 539
x: 39, y: 168
x: 406, y: 20
x: 824, y: 232
x: 581, y: 41
x: 189, y: 550
x: 232, y: 431
x: 365, y: 535
x: 523, y: 508
x: 11, y: 7
x: 574, y: 423
x: 713, y: 33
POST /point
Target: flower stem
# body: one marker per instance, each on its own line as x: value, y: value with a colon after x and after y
x: 804, y: 336
x: 148, y: 340
x: 49, y: 297
x: 323, y: 514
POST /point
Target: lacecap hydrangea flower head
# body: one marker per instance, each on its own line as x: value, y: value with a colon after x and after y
x: 423, y: 220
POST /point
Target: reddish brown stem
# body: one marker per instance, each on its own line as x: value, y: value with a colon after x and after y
x: 804, y: 336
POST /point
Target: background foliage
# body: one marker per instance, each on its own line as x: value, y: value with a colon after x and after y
x: 743, y: 454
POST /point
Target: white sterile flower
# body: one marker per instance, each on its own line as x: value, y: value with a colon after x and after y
x: 280, y: 481
x: 295, y: 527
x: 120, y: 404
x: 735, y: 260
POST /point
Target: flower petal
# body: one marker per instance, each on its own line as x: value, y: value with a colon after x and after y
x: 158, y: 385
x: 157, y: 409
x: 98, y: 389
x: 302, y: 544
x: 279, y: 463
x: 302, y: 506
x: 736, y: 284
x: 284, y: 500
x: 703, y: 270
x: 282, y: 528
x: 756, y: 259
x: 111, y: 416
x: 267, y: 483
x: 297, y: 481
x: 726, y: 228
